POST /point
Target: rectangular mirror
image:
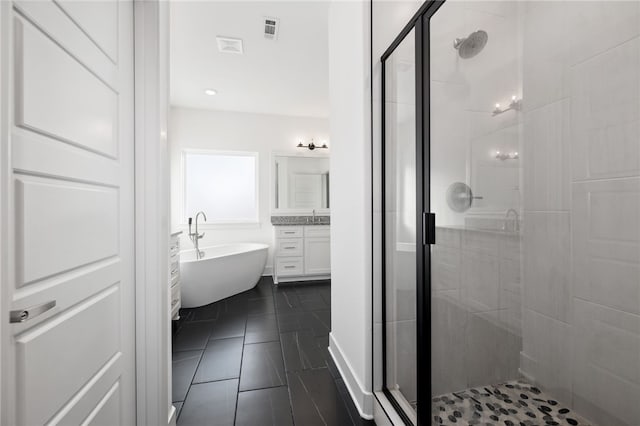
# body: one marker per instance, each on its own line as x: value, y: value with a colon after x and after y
x: 300, y: 183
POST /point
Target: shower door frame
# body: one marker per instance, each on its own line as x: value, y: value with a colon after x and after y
x: 425, y: 220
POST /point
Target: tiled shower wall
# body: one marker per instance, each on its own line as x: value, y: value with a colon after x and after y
x: 581, y: 193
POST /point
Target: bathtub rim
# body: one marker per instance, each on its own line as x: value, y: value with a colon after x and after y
x: 242, y: 249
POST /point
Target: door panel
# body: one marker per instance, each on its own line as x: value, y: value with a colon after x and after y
x: 47, y: 96
x: 92, y: 216
x: 69, y: 195
x: 99, y: 20
x: 62, y: 29
x: 107, y: 409
x: 78, y: 342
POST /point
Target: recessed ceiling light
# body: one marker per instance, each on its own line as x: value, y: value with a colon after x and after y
x: 210, y: 92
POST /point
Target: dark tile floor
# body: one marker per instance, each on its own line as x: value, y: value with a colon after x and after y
x: 260, y: 358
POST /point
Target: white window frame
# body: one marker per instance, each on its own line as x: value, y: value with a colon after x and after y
x: 212, y: 222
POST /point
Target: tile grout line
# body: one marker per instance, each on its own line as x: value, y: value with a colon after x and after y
x: 244, y: 337
x: 284, y: 366
x: 186, y: 395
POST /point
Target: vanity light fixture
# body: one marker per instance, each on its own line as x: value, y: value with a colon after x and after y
x: 515, y: 104
x: 311, y: 146
x: 210, y: 92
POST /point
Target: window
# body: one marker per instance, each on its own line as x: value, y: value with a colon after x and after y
x: 222, y: 184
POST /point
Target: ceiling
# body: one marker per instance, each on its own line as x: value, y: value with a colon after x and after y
x: 286, y: 76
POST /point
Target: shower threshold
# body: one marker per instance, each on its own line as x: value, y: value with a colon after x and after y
x: 515, y: 403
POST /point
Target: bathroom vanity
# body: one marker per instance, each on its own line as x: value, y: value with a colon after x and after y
x: 174, y: 274
x: 302, y: 252
x: 300, y: 216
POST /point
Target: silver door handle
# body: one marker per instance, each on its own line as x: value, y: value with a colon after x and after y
x: 22, y: 315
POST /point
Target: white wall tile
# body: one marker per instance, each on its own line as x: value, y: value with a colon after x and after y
x: 597, y: 26
x: 606, y: 243
x: 495, y: 180
x: 605, y: 113
x: 491, y: 351
x: 547, y: 346
x: 606, y: 382
x: 544, y: 53
x: 546, y: 264
x: 480, y: 282
x: 445, y: 268
x: 546, y: 158
x: 448, y: 324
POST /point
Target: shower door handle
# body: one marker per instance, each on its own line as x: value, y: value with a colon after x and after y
x: 428, y: 228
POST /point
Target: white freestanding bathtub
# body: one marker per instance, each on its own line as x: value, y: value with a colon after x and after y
x: 224, y: 270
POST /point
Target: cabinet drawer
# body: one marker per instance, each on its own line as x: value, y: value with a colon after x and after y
x: 317, y: 231
x: 174, y: 270
x: 175, y: 280
x: 175, y: 312
x: 289, y: 266
x: 289, y: 247
x: 175, y: 294
x: 289, y: 231
x: 174, y: 247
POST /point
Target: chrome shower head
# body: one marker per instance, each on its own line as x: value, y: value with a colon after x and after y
x: 470, y: 46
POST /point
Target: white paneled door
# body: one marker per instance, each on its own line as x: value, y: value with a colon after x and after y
x: 68, y: 209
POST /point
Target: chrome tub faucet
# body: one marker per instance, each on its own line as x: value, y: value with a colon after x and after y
x: 195, y: 236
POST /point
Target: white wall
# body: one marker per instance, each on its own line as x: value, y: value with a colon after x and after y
x: 351, y: 197
x: 234, y: 131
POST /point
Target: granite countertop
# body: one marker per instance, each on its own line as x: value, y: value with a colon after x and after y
x: 299, y: 220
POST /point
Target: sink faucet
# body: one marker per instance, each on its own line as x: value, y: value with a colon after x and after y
x: 516, y: 221
x: 195, y: 236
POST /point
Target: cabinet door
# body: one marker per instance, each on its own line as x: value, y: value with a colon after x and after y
x: 317, y: 255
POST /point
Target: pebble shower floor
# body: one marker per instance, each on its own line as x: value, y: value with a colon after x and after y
x: 512, y: 404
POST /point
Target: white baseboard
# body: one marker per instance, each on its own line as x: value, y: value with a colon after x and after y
x: 362, y: 398
x: 268, y: 271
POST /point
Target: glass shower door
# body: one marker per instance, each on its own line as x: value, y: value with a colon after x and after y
x: 399, y: 222
x: 475, y: 152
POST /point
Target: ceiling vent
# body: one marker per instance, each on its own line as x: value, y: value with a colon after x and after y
x: 271, y: 26
x: 230, y: 45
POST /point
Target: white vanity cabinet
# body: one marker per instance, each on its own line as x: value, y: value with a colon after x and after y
x: 302, y: 253
x: 174, y: 274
